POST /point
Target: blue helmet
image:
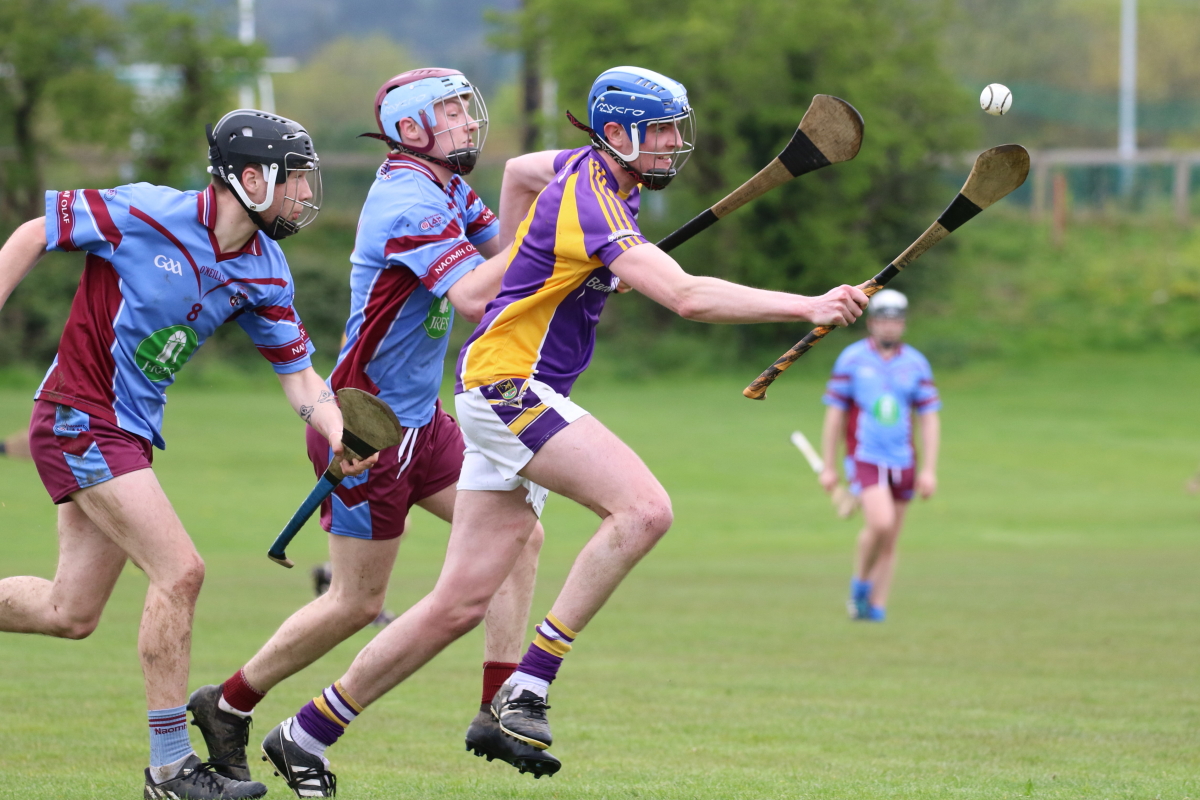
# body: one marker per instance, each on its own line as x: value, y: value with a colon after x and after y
x: 413, y: 95
x: 636, y: 99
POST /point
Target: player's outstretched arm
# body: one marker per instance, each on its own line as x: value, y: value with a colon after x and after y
x: 658, y: 276
x: 22, y: 250
x: 524, y: 178
x: 317, y: 406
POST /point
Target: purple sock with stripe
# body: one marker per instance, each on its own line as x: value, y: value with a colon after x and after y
x: 324, y: 719
x: 550, y: 644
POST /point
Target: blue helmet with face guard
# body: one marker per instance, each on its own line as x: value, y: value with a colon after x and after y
x: 637, y: 99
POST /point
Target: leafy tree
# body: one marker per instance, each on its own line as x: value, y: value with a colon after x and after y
x: 51, y: 78
x: 202, y: 66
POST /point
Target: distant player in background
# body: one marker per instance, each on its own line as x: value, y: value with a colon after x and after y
x: 16, y: 445
x: 419, y: 255
x: 876, y: 386
x: 164, y: 269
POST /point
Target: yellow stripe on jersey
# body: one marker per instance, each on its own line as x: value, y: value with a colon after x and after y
x: 512, y: 344
x: 613, y: 209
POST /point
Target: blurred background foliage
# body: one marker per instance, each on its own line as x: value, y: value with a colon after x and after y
x: 100, y: 93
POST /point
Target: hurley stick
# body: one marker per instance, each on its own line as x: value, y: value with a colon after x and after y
x: 368, y: 426
x: 830, y: 132
x: 844, y: 503
x: 996, y: 173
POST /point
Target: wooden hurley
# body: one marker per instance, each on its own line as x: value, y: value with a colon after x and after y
x: 996, y: 173
x: 830, y: 132
x: 368, y: 426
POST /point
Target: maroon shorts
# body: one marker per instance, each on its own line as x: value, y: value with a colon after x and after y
x: 73, y: 449
x: 374, y: 505
x: 901, y: 481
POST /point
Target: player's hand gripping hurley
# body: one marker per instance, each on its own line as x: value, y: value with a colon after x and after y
x: 830, y: 132
x: 368, y: 426
x: 996, y: 173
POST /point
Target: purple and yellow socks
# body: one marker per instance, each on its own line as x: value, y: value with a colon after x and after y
x: 324, y: 719
x: 540, y: 665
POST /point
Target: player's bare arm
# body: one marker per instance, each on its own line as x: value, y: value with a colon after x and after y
x: 317, y: 406
x: 20, y: 253
x: 524, y: 178
x: 703, y: 299
x: 931, y: 438
x: 471, y: 293
x: 833, y: 430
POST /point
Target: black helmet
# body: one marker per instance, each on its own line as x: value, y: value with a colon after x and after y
x: 279, y: 147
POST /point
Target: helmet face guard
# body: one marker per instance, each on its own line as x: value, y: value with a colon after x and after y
x: 641, y: 102
x: 283, y: 151
x: 419, y: 95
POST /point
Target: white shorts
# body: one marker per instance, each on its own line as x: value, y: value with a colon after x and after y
x: 504, y: 424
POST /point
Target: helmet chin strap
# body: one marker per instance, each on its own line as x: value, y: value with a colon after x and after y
x: 459, y: 162
x: 653, y: 180
x: 277, y: 229
x: 272, y: 173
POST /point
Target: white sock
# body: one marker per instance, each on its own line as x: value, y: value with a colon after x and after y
x: 168, y: 771
x: 306, y: 742
x: 521, y: 681
x: 224, y: 706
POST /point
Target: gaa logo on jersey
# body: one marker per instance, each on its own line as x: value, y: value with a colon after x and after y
x: 431, y: 222
x: 886, y: 409
x: 437, y: 321
x: 169, y: 264
x: 162, y: 353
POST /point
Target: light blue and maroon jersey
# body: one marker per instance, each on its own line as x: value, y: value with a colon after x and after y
x: 543, y: 321
x: 415, y: 239
x: 155, y: 286
x: 879, y: 396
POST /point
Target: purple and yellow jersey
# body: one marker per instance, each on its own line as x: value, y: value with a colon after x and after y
x: 415, y: 239
x: 155, y: 286
x: 879, y: 396
x: 543, y: 321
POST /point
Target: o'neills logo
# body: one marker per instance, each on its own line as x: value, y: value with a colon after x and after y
x: 447, y: 261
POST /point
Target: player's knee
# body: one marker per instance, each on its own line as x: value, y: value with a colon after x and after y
x: 363, y: 611
x: 187, y: 578
x: 537, y: 538
x: 656, y: 516
x: 461, y: 615
x: 78, y: 626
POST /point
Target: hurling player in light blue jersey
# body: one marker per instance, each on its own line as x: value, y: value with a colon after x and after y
x: 163, y: 269
x: 877, y: 385
x: 420, y: 254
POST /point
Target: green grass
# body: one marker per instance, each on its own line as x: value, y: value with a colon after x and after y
x: 1041, y: 641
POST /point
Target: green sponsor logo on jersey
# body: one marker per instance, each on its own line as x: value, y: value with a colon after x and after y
x: 162, y: 353
x: 886, y: 409
x: 437, y: 322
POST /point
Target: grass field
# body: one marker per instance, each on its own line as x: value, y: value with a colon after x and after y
x: 1042, y: 639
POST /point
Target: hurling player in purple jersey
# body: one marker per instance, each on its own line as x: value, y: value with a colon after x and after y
x: 163, y: 270
x: 523, y: 435
x: 420, y: 255
x: 878, y: 383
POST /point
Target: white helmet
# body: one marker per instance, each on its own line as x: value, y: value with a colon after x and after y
x: 888, y: 303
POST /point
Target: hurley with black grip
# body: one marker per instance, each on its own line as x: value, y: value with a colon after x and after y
x: 368, y: 426
x: 996, y: 173
x: 830, y: 132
